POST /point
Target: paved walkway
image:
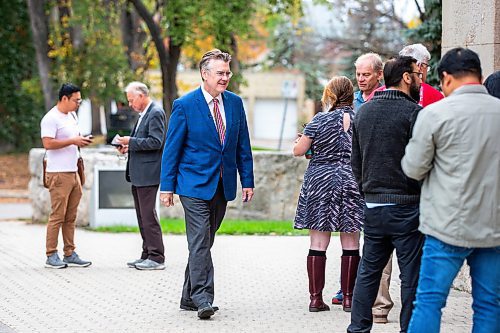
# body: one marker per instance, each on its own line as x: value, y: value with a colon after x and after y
x: 261, y: 286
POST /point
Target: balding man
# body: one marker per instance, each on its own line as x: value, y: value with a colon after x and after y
x: 369, y: 68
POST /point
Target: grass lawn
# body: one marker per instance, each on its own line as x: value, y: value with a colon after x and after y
x: 228, y: 227
x: 263, y: 149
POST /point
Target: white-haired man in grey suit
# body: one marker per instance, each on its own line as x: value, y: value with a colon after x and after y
x: 144, y: 147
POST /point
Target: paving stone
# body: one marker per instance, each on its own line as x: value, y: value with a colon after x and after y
x: 261, y: 286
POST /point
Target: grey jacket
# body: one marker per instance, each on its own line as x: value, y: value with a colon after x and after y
x: 455, y: 150
x: 145, y: 148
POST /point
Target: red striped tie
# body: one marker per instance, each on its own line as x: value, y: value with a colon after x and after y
x: 218, y: 121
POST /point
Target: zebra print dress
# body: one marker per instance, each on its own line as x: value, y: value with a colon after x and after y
x: 329, y: 198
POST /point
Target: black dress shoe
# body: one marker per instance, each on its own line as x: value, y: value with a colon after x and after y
x: 205, y: 311
x: 189, y: 306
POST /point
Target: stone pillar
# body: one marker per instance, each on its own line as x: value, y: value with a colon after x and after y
x: 474, y: 24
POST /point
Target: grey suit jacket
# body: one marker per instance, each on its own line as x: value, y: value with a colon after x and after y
x: 454, y: 149
x: 145, y: 148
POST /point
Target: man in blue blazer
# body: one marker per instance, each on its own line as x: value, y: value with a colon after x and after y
x: 207, y: 144
x: 144, y: 147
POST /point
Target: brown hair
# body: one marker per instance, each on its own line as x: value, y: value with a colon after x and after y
x: 214, y: 54
x: 338, y: 92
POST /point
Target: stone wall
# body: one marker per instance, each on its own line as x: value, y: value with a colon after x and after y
x: 278, y: 177
x: 474, y: 24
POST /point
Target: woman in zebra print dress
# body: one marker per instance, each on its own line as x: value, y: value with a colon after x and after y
x: 329, y: 199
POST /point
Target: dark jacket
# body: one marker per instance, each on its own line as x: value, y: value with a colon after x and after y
x: 145, y: 148
x: 382, y: 128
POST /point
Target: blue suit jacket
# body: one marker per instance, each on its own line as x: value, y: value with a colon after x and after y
x: 193, y: 153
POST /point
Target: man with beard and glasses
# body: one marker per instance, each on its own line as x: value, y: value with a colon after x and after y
x: 381, y: 130
x: 428, y: 95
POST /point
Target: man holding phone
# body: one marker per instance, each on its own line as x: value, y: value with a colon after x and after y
x: 144, y: 147
x: 61, y: 137
x: 207, y: 144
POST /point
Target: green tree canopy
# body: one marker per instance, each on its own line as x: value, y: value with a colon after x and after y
x: 429, y: 33
x: 20, y: 96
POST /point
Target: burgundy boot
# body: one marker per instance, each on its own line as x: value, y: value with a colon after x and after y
x: 348, y: 273
x: 316, y: 271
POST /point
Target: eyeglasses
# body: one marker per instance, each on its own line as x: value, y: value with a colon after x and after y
x: 427, y: 67
x: 77, y: 101
x: 420, y: 74
x: 223, y: 74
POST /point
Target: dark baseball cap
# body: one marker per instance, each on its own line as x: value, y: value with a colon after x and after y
x: 460, y: 62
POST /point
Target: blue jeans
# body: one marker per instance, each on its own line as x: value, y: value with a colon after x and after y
x: 440, y: 264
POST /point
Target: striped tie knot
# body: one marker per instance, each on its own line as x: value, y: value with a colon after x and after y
x: 218, y: 121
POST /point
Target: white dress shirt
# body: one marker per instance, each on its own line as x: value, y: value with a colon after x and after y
x: 210, y: 101
x: 141, y: 115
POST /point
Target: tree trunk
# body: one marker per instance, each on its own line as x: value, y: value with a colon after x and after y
x: 64, y: 12
x: 70, y: 34
x: 235, y: 65
x: 166, y: 65
x: 174, y: 52
x: 96, y: 115
x: 133, y: 38
x: 39, y: 27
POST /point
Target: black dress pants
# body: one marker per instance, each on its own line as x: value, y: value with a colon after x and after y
x: 387, y: 228
x: 149, y: 226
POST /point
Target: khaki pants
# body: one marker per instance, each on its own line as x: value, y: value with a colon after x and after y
x: 65, y: 193
x: 383, y: 303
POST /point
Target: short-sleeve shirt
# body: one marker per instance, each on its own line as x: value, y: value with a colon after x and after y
x: 58, y: 125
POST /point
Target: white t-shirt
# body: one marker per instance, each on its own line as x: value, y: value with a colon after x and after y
x: 58, y: 125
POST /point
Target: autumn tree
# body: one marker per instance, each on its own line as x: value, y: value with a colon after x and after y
x: 168, y: 26
x: 87, y: 49
x: 177, y: 24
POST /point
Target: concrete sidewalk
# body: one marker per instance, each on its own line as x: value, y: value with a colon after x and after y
x: 261, y: 286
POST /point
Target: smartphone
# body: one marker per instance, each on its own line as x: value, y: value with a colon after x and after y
x: 115, y: 142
